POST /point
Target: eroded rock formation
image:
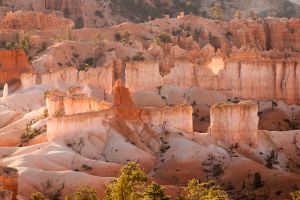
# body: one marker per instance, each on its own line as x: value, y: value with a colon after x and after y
x: 12, y: 64
x: 28, y: 20
x: 234, y: 123
x: 72, y: 119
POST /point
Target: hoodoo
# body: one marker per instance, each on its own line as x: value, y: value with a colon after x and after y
x: 234, y: 123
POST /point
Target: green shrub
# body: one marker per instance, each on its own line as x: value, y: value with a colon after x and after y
x: 139, y: 56
x: 295, y: 195
x: 37, y: 196
x: 85, y: 193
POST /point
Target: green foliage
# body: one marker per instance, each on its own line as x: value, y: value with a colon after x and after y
x: 237, y: 14
x: 217, y: 12
x: 214, y: 41
x: 252, y: 16
x: 85, y: 193
x: 155, y: 192
x: 68, y: 197
x: 79, y: 23
x: 139, y: 56
x: 295, y: 195
x: 26, y: 44
x: 129, y: 185
x: 257, y: 181
x: 205, y: 191
x: 164, y: 38
x: 37, y: 196
x: 123, y: 38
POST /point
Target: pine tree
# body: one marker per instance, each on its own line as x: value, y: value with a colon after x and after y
x: 37, y: 196
x: 237, y: 14
x: 295, y: 195
x: 155, y: 192
x: 85, y: 193
x: 217, y: 12
x: 257, y: 181
x: 129, y: 185
x: 205, y: 191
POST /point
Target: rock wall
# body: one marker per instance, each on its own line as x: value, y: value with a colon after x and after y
x: 29, y: 80
x: 28, y: 20
x: 283, y: 33
x: 179, y: 117
x: 68, y: 125
x: 143, y: 76
x: 12, y: 64
x: 234, y: 123
x: 255, y: 78
x: 64, y: 78
x: 81, y: 113
x: 59, y: 104
x: 247, y: 33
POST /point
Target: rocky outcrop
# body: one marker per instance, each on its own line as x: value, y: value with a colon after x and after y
x: 283, y: 33
x: 234, y: 123
x: 78, y: 113
x: 143, y: 76
x: 9, y: 180
x: 247, y: 33
x: 63, y: 79
x: 12, y: 64
x: 59, y: 104
x: 254, y: 78
x: 29, y: 20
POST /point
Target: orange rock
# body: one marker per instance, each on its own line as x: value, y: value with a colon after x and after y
x: 9, y: 180
x: 122, y: 96
x: 234, y: 123
x: 12, y: 64
x: 34, y: 20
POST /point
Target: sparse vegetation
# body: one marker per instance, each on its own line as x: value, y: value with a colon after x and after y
x: 139, y: 56
x: 295, y: 195
x: 257, y: 181
x: 214, y: 41
x: 205, y: 191
x: 217, y: 12
x: 37, y: 196
x: 164, y: 37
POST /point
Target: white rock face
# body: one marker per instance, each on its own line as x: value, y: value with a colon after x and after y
x: 5, y: 91
x: 235, y: 123
x: 143, y: 76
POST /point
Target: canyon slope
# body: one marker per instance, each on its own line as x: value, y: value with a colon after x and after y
x: 186, y: 97
x: 103, y: 13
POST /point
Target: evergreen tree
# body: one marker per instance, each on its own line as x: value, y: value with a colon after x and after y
x: 155, y: 192
x: 295, y: 195
x: 257, y: 181
x: 85, y: 193
x: 217, y: 12
x: 237, y: 14
x: 205, y: 191
x: 129, y: 185
x: 37, y: 196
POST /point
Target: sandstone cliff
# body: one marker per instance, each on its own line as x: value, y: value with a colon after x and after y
x: 234, y: 123
x: 28, y: 20
x: 12, y: 64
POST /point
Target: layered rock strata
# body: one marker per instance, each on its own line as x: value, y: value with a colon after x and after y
x: 234, y: 123
x: 12, y: 64
x: 92, y: 115
x: 28, y: 20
